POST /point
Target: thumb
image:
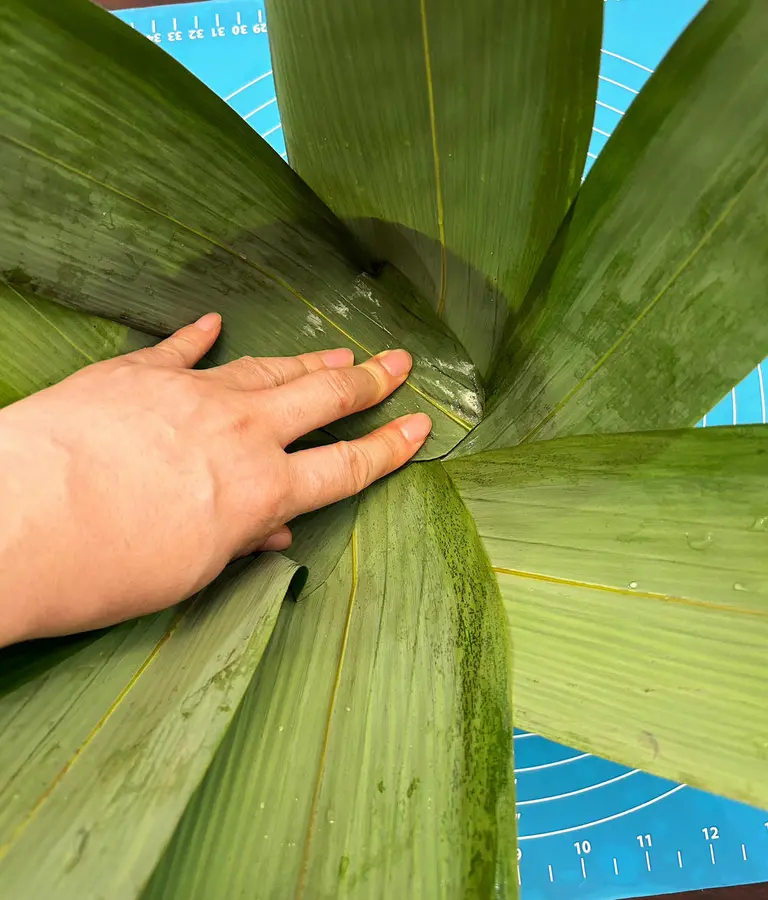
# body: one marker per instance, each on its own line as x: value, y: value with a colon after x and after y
x: 185, y: 347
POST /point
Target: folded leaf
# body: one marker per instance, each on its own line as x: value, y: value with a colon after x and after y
x: 634, y: 571
x: 435, y: 136
x: 131, y: 191
x: 651, y: 304
x: 372, y: 755
x: 42, y: 342
x: 100, y: 756
x: 319, y: 539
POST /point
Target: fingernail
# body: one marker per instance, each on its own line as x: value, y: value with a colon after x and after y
x: 339, y: 358
x: 415, y: 428
x: 396, y: 362
x: 208, y: 322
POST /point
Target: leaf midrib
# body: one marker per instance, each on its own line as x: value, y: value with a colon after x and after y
x: 435, y: 155
x: 272, y: 276
x: 329, y: 719
x: 627, y: 592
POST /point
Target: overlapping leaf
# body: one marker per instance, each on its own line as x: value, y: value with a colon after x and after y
x: 651, y: 304
x: 372, y: 755
x: 634, y: 571
x: 42, y: 342
x: 107, y: 205
x: 433, y: 131
x: 100, y: 756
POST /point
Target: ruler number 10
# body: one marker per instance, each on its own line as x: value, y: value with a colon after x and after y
x: 583, y: 847
x: 711, y: 834
x: 644, y: 840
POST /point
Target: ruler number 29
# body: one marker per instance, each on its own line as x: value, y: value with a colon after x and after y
x: 711, y: 834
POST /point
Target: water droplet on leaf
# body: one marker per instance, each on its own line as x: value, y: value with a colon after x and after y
x: 699, y: 541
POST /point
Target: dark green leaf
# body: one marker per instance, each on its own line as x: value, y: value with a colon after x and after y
x: 634, y: 570
x: 651, y: 305
x: 372, y: 755
x: 131, y: 191
x: 431, y: 128
x: 100, y: 756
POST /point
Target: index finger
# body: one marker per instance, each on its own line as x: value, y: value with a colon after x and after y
x: 323, y: 475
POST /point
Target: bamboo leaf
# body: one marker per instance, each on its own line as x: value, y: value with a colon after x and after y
x: 108, y: 206
x: 372, y: 755
x: 20, y: 663
x: 42, y: 342
x: 434, y: 134
x: 100, y: 756
x: 651, y: 304
x: 634, y: 571
x: 319, y: 539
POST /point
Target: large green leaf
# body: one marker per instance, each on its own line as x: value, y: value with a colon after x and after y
x: 372, y: 755
x: 634, y: 571
x: 451, y: 135
x: 131, y: 191
x: 100, y: 756
x: 42, y: 342
x: 651, y: 304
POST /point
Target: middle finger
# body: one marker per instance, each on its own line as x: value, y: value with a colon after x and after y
x: 322, y: 397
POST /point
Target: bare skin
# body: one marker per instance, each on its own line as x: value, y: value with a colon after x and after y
x: 132, y: 483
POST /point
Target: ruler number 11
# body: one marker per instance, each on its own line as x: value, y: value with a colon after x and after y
x: 711, y: 834
x: 644, y: 840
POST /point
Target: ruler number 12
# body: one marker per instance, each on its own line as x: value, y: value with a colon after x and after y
x: 711, y: 834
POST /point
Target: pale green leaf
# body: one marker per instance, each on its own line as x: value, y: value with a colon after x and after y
x: 100, y: 756
x: 430, y: 127
x: 42, y: 342
x: 634, y: 571
x: 108, y: 206
x: 372, y: 755
x: 651, y: 304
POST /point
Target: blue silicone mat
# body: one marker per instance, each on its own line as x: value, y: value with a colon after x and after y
x: 588, y: 828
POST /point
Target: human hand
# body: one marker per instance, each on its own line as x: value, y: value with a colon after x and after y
x: 132, y: 483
